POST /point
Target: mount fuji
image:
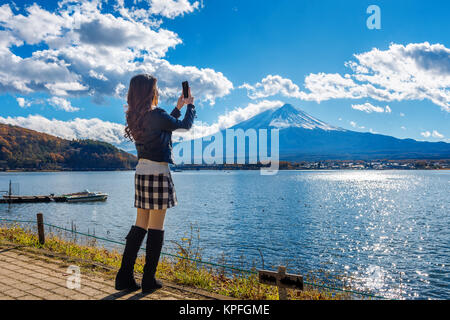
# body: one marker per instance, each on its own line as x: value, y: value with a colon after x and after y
x: 284, y: 117
x: 303, y: 137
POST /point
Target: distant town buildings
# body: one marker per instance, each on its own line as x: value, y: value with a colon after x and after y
x: 331, y: 165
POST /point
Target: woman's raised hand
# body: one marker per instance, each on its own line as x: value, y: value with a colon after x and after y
x: 180, y: 102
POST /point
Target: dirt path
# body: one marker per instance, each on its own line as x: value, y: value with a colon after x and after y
x: 28, y: 273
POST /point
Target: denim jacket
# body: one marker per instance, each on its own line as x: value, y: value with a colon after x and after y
x: 156, y: 142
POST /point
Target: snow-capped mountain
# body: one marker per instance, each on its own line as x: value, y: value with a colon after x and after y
x: 286, y: 116
x: 303, y: 137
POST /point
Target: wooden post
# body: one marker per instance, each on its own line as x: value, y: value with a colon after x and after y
x: 282, y: 292
x: 40, y: 226
x: 282, y: 280
x: 9, y: 192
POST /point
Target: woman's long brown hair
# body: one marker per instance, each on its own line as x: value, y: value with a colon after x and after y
x: 142, y: 93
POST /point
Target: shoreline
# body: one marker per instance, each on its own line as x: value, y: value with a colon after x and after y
x: 231, y: 169
x: 184, y: 269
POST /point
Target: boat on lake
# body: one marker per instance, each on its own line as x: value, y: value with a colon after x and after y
x: 85, y: 196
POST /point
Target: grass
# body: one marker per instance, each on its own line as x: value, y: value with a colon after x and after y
x: 174, y: 269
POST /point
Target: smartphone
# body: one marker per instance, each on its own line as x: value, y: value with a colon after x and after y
x: 185, y: 85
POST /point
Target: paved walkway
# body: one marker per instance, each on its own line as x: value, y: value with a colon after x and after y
x: 27, y: 274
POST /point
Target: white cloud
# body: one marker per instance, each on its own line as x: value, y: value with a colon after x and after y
x: 369, y: 108
x: 402, y: 114
x: 417, y: 71
x: 96, y: 75
x: 108, y: 31
x: 172, y: 8
x: 403, y: 127
x: 436, y: 134
x: 272, y: 85
x: 433, y: 134
x: 204, y: 82
x: 7, y: 39
x: 57, y: 102
x: 62, y: 104
x: 34, y: 27
x: 93, y: 52
x: 72, y: 129
x: 355, y: 125
x: 23, y: 103
x: 64, y: 88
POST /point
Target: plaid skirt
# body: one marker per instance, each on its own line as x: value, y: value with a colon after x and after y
x: 154, y: 191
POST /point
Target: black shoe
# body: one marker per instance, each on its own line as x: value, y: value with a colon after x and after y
x: 155, y: 240
x: 125, y: 276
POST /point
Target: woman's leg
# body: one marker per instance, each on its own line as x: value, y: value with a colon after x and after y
x: 156, y: 219
x: 150, y: 219
x: 142, y: 218
x: 155, y: 240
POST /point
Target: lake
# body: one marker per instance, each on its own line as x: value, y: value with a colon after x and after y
x: 387, y: 230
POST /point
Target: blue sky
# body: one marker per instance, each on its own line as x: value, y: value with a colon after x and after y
x: 65, y: 68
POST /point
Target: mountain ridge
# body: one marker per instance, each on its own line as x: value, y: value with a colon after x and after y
x: 302, y: 137
x: 22, y: 148
x: 337, y: 143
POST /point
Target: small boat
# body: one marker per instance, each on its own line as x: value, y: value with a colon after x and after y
x: 85, y: 196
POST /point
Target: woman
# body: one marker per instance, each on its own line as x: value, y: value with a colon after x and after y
x: 151, y: 130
